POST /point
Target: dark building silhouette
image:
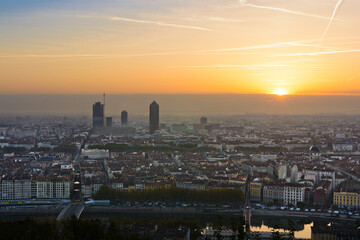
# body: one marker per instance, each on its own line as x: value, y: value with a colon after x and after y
x: 109, y: 121
x: 154, y: 117
x: 124, y: 118
x: 203, y: 120
x: 98, y: 115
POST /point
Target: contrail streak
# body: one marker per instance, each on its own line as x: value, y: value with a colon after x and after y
x: 210, y: 51
x: 337, y: 6
x: 160, y: 23
x: 258, y: 66
x: 321, y: 53
x: 220, y: 19
x: 267, y: 46
x: 246, y: 4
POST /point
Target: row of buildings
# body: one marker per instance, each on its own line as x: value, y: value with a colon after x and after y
x: 100, y: 121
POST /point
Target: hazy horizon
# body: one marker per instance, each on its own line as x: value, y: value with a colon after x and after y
x: 181, y: 104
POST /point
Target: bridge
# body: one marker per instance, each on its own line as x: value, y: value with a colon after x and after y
x: 76, y: 207
x: 71, y: 210
x: 247, y: 208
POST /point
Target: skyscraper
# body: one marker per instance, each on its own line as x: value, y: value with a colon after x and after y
x: 98, y: 115
x: 203, y: 121
x: 109, y: 121
x: 154, y: 117
x: 124, y: 118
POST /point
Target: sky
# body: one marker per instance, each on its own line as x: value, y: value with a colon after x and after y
x: 297, y: 47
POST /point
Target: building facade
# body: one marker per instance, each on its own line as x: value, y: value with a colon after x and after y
x: 52, y: 189
x: 273, y: 193
x: 98, y: 115
x: 294, y: 193
x: 15, y: 189
x: 154, y: 118
x: 124, y: 118
x: 109, y: 121
x: 203, y: 121
x: 256, y: 191
x: 348, y: 199
x: 322, y: 192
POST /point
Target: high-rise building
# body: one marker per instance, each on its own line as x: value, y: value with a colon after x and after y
x: 98, y: 115
x: 154, y: 117
x: 203, y: 120
x: 124, y: 118
x: 109, y: 121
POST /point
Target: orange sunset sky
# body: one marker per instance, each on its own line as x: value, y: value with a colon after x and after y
x: 161, y: 46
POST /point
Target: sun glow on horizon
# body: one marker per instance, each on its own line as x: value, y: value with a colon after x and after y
x: 180, y: 47
x: 280, y: 92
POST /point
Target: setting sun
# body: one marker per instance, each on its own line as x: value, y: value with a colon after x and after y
x: 280, y: 92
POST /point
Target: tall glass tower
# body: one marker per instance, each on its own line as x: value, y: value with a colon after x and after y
x: 124, y: 118
x: 154, y: 117
x: 98, y: 115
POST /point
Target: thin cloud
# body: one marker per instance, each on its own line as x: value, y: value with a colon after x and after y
x: 220, y: 19
x: 52, y: 55
x: 214, y: 19
x: 160, y: 24
x: 256, y: 66
x: 267, y: 46
x: 246, y: 4
x: 211, y: 51
x: 337, y: 6
x: 321, y: 53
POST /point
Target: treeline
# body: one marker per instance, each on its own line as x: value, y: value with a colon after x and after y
x: 41, y: 149
x: 172, y: 195
x: 16, y: 150
x: 85, y: 229
x: 186, y: 147
x: 261, y: 149
x: 66, y: 149
x: 59, y: 149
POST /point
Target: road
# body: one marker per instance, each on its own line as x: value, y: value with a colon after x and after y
x: 342, y: 171
x: 71, y: 210
x: 76, y: 206
x: 217, y: 211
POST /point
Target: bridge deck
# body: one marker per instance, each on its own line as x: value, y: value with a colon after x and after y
x: 71, y: 210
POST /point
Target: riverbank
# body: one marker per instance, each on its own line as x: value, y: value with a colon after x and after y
x: 109, y: 211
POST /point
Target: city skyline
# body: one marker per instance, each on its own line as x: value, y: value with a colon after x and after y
x: 180, y: 105
x: 249, y: 47
x: 258, y: 136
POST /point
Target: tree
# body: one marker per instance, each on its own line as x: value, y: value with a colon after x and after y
x: 234, y: 226
x: 66, y: 149
x: 219, y: 227
x: 257, y: 236
x: 241, y: 234
x: 112, y: 232
x: 301, y: 205
x: 291, y: 228
x: 247, y: 228
x: 172, y: 195
x: 41, y: 149
x: 275, y: 234
x: 77, y: 229
x: 16, y: 150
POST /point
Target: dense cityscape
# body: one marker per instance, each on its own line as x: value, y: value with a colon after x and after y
x: 179, y: 120
x: 268, y: 165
